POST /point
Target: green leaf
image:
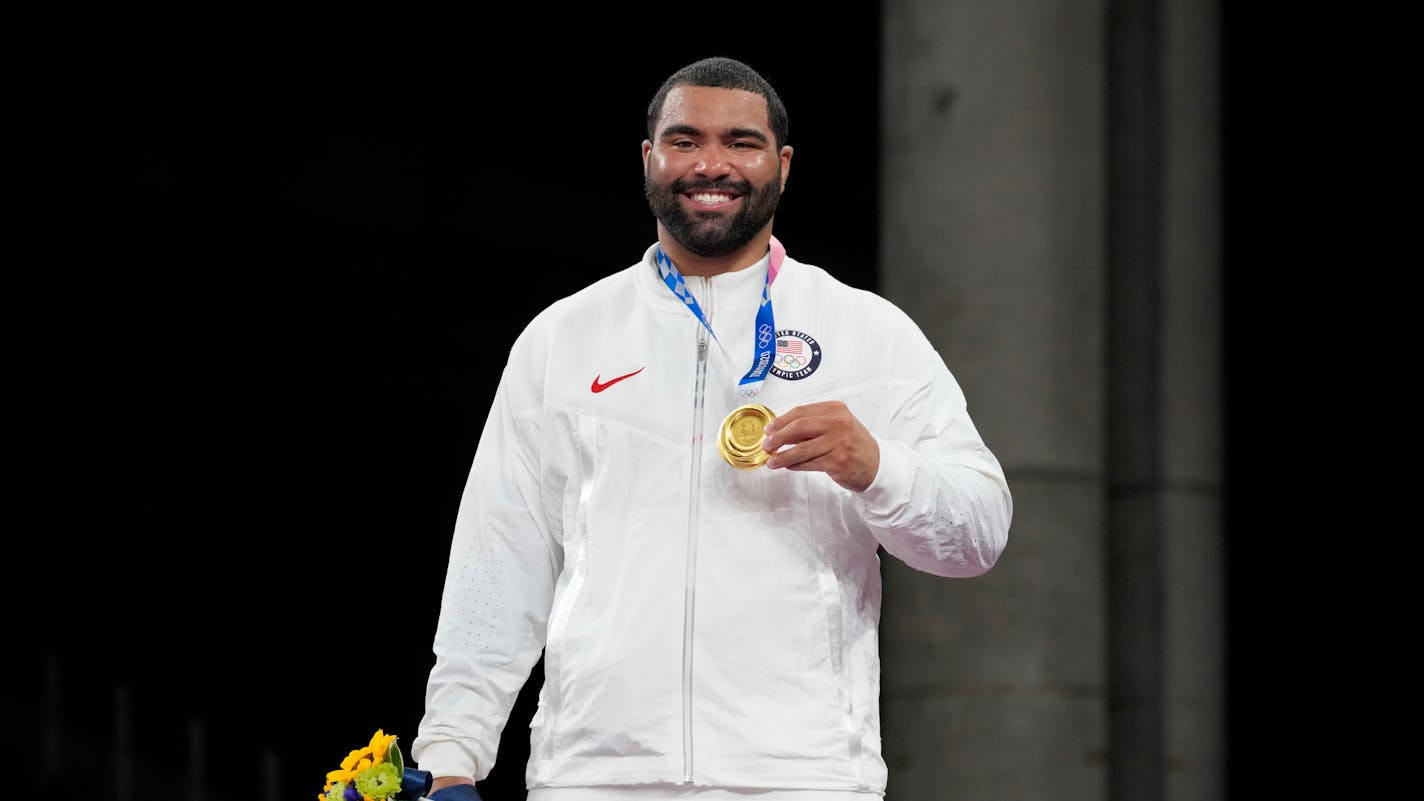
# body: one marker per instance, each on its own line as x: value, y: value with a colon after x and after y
x: 393, y: 756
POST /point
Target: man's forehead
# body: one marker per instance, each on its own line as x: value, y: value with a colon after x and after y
x: 713, y: 107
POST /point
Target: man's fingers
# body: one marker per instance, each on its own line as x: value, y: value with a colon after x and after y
x: 799, y: 455
x: 802, y: 423
x: 793, y: 432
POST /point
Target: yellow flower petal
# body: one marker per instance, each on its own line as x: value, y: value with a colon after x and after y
x: 380, y: 744
x: 355, y: 757
x: 344, y: 775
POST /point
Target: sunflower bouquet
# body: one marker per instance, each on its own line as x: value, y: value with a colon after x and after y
x: 375, y: 773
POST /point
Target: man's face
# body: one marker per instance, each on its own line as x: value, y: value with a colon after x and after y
x: 713, y: 176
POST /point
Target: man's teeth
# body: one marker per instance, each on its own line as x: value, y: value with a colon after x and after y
x: 709, y: 197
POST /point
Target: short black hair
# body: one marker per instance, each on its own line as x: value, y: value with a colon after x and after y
x: 723, y: 73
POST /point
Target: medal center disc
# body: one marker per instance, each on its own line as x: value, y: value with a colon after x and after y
x: 740, y: 438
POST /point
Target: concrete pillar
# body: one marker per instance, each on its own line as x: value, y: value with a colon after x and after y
x: 1194, y: 576
x: 1018, y: 137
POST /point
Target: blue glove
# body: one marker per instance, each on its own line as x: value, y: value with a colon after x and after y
x: 459, y: 792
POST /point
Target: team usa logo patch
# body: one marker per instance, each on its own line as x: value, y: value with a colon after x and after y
x: 797, y: 355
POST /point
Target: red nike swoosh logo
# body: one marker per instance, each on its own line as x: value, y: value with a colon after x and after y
x: 597, y: 387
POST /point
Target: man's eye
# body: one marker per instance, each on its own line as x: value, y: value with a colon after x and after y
x: 684, y: 144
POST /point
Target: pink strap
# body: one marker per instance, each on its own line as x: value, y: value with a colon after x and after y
x: 778, y: 253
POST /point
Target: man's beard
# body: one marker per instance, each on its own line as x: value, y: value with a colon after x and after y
x: 712, y: 234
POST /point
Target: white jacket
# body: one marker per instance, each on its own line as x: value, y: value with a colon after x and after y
x: 701, y: 625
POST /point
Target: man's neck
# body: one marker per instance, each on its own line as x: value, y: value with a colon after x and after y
x: 689, y: 263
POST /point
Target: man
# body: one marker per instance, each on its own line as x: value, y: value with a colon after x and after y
x: 691, y: 539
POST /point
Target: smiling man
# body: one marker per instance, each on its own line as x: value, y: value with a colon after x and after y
x: 714, y: 190
x: 699, y: 570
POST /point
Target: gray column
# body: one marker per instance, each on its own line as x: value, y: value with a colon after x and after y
x: 1133, y: 246
x: 1088, y: 661
x: 1194, y: 581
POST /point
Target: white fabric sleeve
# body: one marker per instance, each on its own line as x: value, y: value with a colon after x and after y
x: 497, y: 595
x: 939, y: 501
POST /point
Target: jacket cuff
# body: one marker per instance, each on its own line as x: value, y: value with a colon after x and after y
x: 448, y: 759
x: 890, y: 489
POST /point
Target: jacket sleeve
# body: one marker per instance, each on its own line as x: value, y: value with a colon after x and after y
x: 499, y: 586
x: 940, y: 501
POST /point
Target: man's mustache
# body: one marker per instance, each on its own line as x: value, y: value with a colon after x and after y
x: 720, y: 185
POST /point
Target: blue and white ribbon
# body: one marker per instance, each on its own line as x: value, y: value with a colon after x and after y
x: 750, y: 384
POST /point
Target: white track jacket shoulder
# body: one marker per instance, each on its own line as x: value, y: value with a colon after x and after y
x: 701, y: 625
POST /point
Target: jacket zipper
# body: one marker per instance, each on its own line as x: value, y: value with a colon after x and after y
x: 689, y: 590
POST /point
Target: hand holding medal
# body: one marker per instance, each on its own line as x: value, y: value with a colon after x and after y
x: 823, y: 436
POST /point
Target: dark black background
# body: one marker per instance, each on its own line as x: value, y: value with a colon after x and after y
x: 262, y: 275
x: 1322, y: 434
x: 261, y: 271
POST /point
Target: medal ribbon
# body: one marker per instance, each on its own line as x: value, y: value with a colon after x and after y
x: 750, y: 384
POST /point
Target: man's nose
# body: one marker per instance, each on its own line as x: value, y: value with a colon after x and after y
x: 712, y: 161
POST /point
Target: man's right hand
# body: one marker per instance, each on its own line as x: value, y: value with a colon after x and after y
x: 453, y: 788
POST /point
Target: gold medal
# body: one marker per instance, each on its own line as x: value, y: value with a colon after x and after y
x: 741, y: 435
